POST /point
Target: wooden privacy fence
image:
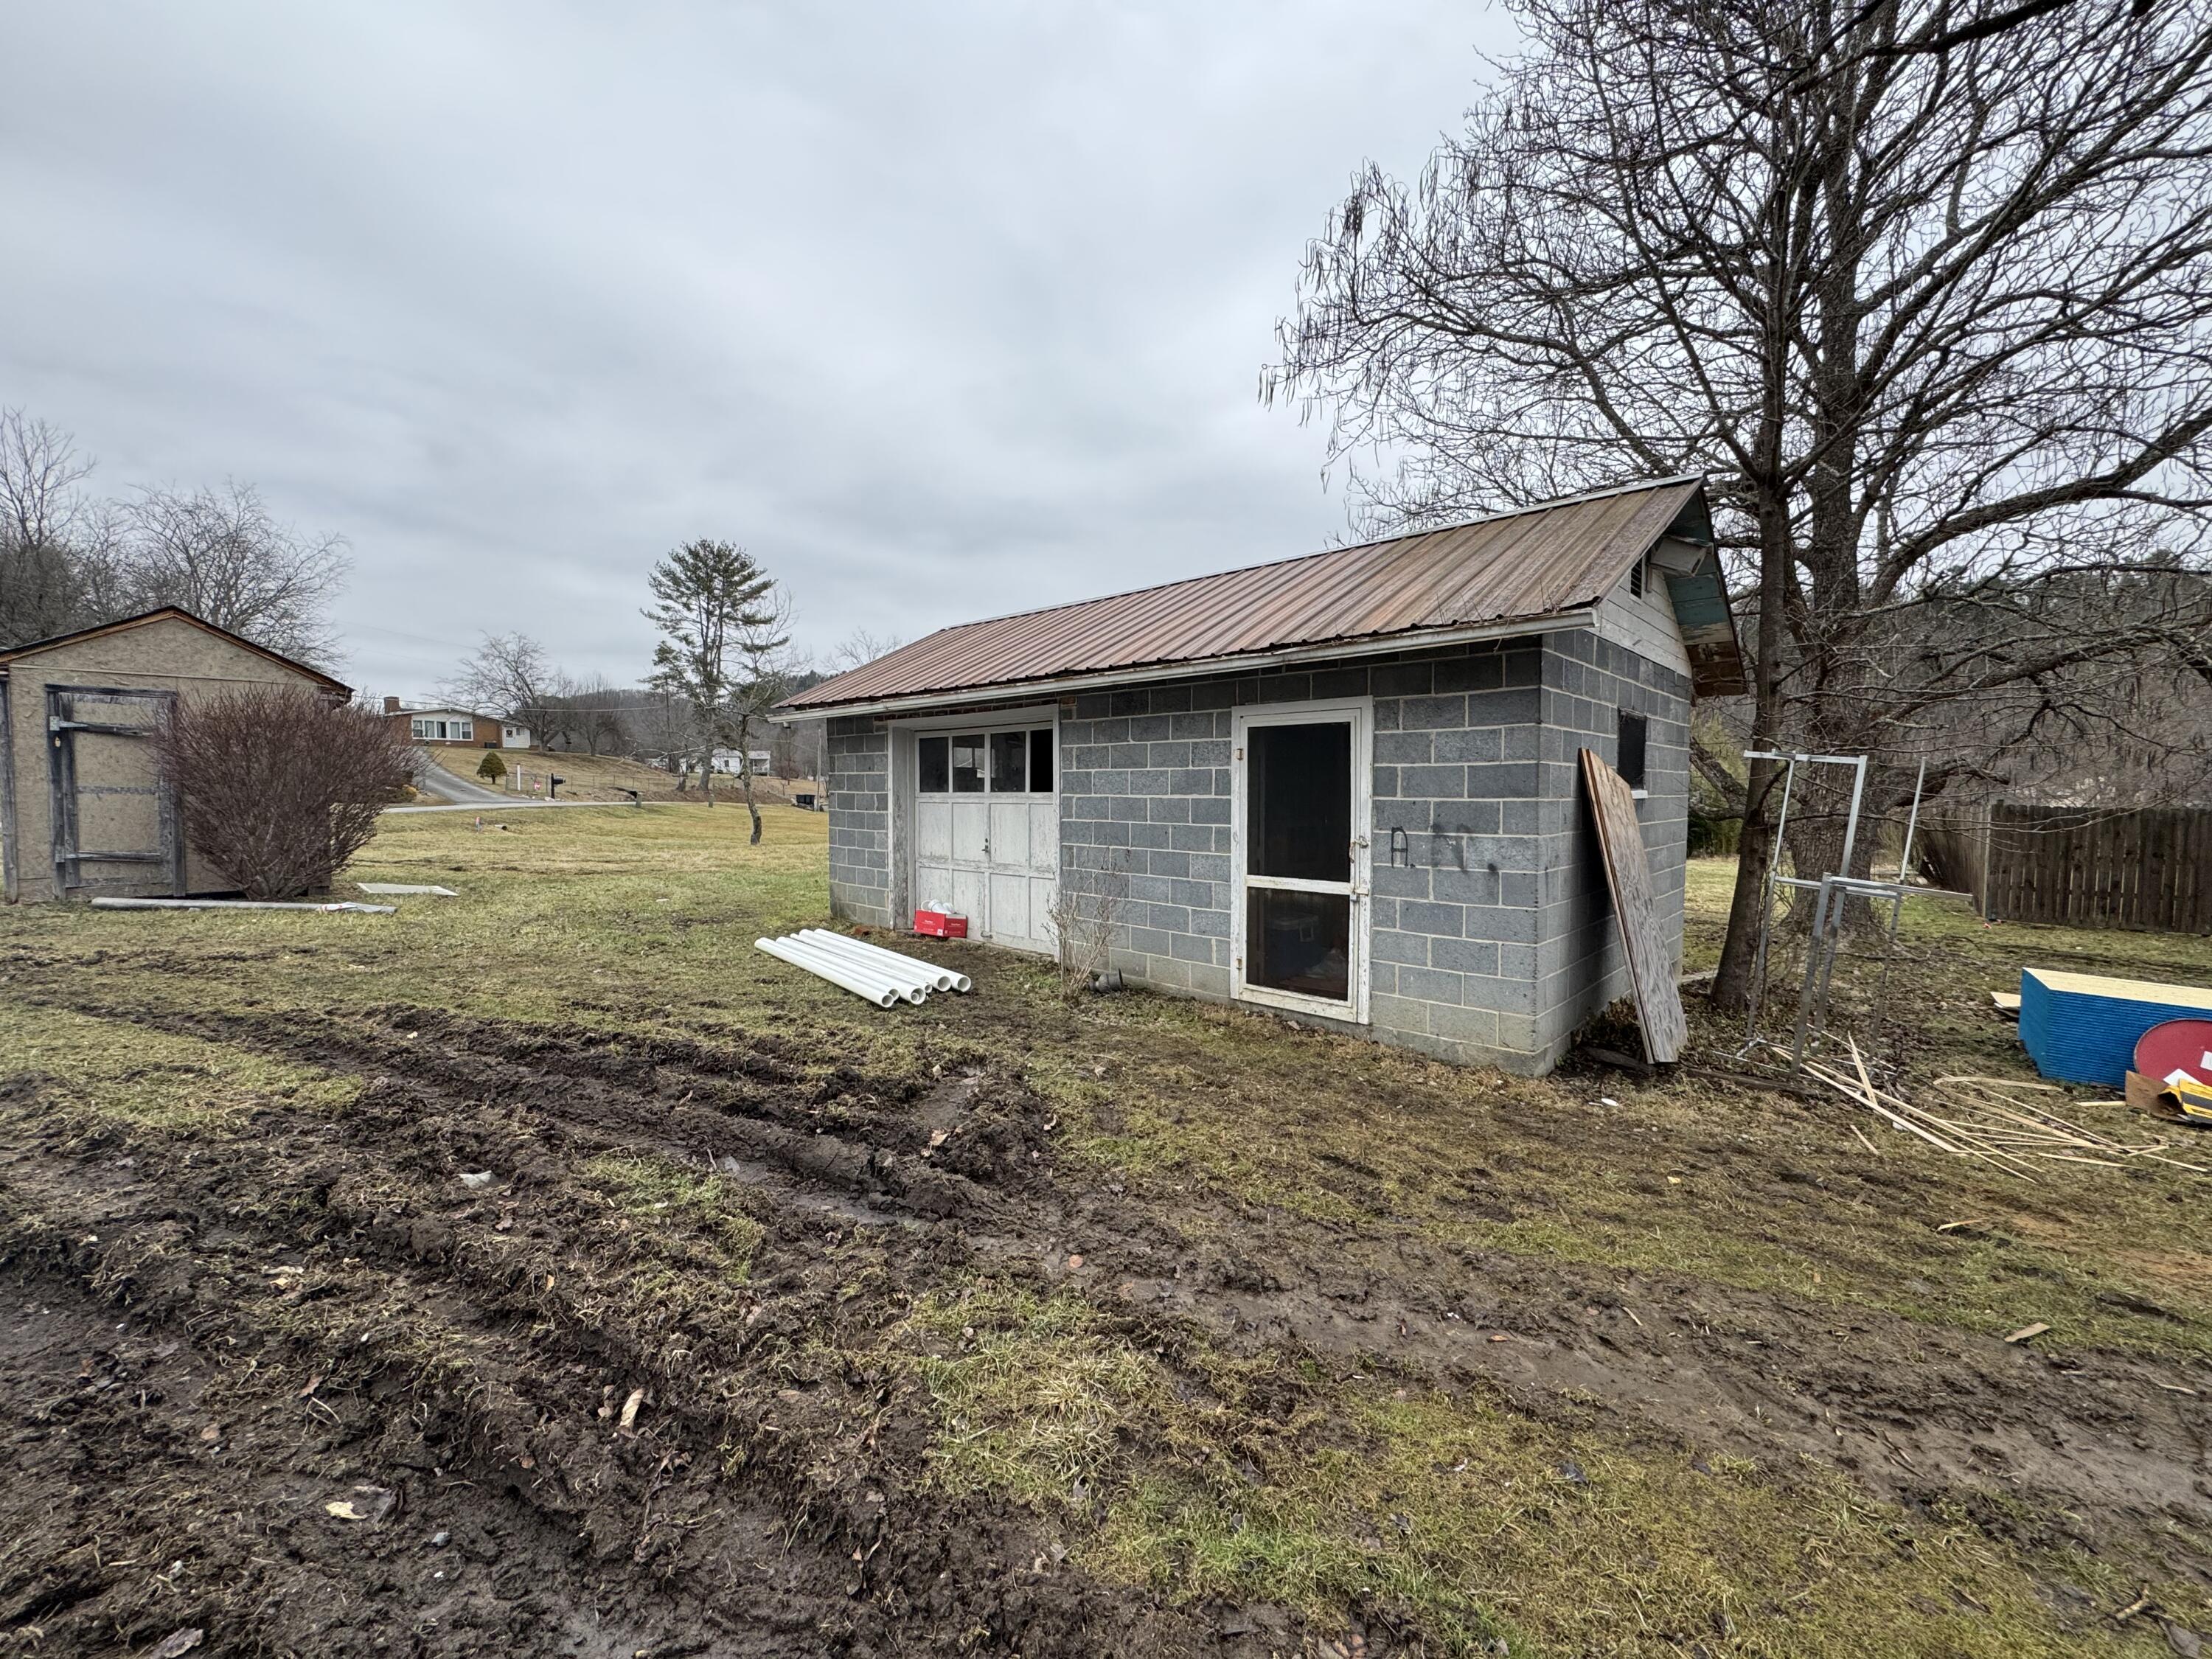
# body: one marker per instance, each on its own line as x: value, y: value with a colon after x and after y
x: 2084, y: 868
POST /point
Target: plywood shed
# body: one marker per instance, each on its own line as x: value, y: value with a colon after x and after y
x: 83, y: 812
x: 1344, y: 788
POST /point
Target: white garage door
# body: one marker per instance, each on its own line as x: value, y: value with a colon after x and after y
x: 987, y: 831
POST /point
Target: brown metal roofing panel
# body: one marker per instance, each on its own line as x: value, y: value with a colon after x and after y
x: 1535, y: 563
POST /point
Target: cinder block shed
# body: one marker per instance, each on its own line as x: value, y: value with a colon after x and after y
x: 83, y: 810
x: 1344, y: 786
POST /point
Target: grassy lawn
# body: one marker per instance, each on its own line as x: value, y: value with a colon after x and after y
x: 1287, y: 1321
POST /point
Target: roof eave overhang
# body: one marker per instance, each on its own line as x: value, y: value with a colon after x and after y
x: 1101, y: 679
x: 122, y: 625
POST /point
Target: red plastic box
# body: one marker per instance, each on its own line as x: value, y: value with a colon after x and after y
x: 940, y: 923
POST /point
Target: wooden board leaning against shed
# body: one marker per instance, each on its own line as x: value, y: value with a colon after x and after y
x: 1628, y: 875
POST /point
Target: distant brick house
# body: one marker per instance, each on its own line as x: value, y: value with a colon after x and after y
x: 444, y: 726
x: 1344, y: 786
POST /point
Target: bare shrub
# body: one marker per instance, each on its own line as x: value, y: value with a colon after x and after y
x: 279, y: 786
x: 1086, y: 914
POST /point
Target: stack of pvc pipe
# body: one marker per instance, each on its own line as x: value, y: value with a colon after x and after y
x: 883, y: 977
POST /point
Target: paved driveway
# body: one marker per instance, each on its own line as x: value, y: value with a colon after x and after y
x: 433, y: 778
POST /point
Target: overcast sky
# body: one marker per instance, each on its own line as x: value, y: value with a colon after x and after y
x: 941, y: 310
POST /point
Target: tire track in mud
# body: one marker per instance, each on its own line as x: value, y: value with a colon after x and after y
x: 762, y: 1491
x: 1912, y: 1410
x: 1915, y: 1412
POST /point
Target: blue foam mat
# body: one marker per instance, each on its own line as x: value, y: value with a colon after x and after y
x: 2077, y: 1028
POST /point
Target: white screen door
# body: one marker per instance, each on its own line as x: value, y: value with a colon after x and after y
x: 1299, y: 912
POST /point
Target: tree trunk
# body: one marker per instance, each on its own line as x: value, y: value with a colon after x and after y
x: 745, y: 776
x: 1755, y: 847
x: 746, y: 779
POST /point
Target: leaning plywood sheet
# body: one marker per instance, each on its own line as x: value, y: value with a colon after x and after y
x: 1642, y: 941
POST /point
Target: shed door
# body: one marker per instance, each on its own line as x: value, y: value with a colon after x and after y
x: 1299, y: 927
x: 116, y: 829
x: 987, y: 831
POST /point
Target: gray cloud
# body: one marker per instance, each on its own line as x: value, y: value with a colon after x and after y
x: 943, y: 312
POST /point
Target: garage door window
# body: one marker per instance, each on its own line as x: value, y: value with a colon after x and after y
x: 998, y: 763
x: 933, y: 765
x: 969, y: 761
x: 1010, y: 754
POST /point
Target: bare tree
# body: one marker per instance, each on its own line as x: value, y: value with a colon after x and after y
x: 223, y: 556
x: 1923, y: 286
x: 280, y: 786
x: 597, y: 716
x: 56, y: 564
x: 858, y: 648
x: 512, y: 676
x: 724, y: 625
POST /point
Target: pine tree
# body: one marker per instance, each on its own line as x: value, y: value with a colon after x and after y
x: 722, y: 622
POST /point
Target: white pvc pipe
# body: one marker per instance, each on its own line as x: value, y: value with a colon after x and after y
x: 801, y: 954
x: 910, y: 990
x: 937, y: 978
x: 941, y: 979
x: 882, y: 996
x: 904, y: 972
x: 241, y: 904
x: 913, y: 975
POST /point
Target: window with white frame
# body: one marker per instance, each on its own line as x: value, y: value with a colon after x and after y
x: 1008, y: 763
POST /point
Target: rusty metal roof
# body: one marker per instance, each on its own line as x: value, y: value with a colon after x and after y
x: 1533, y: 563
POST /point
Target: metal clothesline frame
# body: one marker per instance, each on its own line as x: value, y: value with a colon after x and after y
x: 1791, y: 761
x: 1834, y: 891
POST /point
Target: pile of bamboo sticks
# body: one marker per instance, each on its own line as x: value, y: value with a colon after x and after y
x: 1986, y: 1117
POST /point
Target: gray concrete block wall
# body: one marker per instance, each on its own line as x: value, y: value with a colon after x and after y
x: 1588, y: 682
x: 859, y: 786
x: 1491, y: 933
x: 1457, y: 847
x: 1144, y: 823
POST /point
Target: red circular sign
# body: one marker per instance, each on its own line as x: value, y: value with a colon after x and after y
x: 2177, y: 1045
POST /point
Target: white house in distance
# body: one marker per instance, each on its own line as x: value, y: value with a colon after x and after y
x: 441, y: 724
x: 726, y: 760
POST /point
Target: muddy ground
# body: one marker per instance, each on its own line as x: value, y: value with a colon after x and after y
x: 292, y: 1382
